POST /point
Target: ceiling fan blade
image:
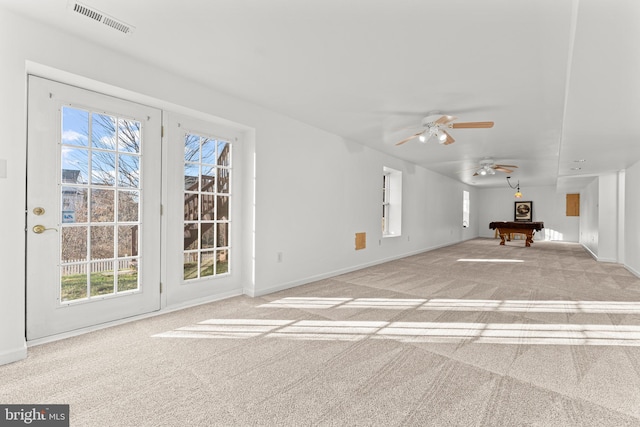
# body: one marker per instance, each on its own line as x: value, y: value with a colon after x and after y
x: 475, y: 174
x: 501, y: 169
x: 410, y: 138
x: 445, y: 119
x: 449, y: 139
x: 507, y: 166
x: 469, y: 125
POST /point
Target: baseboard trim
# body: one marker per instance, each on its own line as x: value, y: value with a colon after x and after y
x: 632, y: 271
x: 594, y: 256
x: 14, y: 355
x: 589, y: 251
x: 165, y: 310
x: 310, y: 279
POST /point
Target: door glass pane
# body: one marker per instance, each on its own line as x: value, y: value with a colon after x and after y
x: 102, y: 278
x: 191, y: 177
x: 128, y: 275
x: 190, y: 237
x: 101, y: 242
x: 128, y: 136
x: 224, y: 178
x: 74, y: 205
x: 128, y: 206
x: 223, y: 234
x: 102, y: 205
x: 206, y: 264
x: 208, y: 151
x: 208, y: 179
x: 75, y: 125
x: 190, y: 265
x: 103, y: 131
x: 74, y: 244
x: 223, y: 208
x: 75, y: 165
x: 192, y: 148
x: 207, y: 241
x: 191, y: 206
x: 103, y: 168
x: 207, y: 207
x: 127, y: 241
x: 222, y: 261
x: 129, y: 171
x: 74, y: 282
x: 224, y: 153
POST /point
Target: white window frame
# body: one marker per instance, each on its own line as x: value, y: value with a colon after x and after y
x: 391, y: 202
x: 466, y: 209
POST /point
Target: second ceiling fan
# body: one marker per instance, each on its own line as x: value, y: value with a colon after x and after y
x: 436, y: 126
x: 488, y: 167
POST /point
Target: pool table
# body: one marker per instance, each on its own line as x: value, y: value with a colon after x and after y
x: 506, y: 228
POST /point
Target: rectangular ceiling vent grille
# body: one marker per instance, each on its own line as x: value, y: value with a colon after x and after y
x: 98, y: 16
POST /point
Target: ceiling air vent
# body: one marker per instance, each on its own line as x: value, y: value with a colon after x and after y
x: 101, y: 17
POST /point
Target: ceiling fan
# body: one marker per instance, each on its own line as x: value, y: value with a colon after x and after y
x: 488, y: 167
x: 435, y: 127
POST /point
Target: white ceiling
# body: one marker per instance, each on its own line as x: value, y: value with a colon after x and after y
x: 560, y: 78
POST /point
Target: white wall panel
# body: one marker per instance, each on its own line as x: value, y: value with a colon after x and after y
x: 631, y: 215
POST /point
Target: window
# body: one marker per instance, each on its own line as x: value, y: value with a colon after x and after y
x: 100, y: 204
x: 207, y: 176
x: 465, y: 208
x: 391, y: 202
x: 386, y: 180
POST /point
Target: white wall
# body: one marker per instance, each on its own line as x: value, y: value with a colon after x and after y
x: 632, y: 213
x: 497, y: 204
x: 12, y: 189
x: 589, y: 217
x: 600, y: 205
x: 315, y: 193
x: 608, y: 217
x: 314, y: 190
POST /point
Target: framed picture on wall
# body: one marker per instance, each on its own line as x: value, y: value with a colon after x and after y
x: 523, y: 211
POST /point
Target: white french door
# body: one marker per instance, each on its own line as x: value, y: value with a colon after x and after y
x: 93, y: 208
x: 202, y: 208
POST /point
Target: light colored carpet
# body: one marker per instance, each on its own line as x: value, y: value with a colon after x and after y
x: 475, y: 334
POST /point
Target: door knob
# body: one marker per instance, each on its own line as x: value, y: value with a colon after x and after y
x: 39, y: 229
x: 38, y: 211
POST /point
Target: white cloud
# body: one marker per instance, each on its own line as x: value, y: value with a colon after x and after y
x: 71, y: 136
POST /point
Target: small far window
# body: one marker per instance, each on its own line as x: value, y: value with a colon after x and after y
x: 391, y: 202
x: 465, y: 208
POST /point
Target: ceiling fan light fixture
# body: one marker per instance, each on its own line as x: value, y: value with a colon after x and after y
x: 442, y: 137
x: 486, y: 170
x: 422, y: 138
